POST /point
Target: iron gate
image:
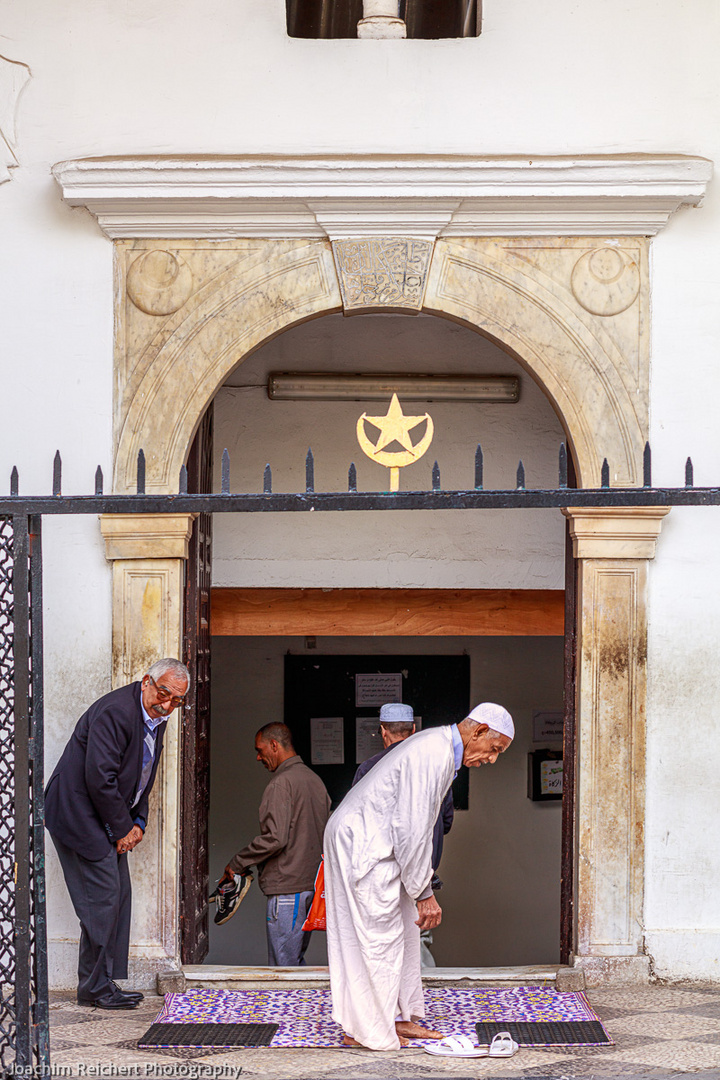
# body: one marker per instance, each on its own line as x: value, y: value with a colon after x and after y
x: 24, y: 1040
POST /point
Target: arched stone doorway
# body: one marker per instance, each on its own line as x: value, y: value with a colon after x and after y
x: 573, y: 312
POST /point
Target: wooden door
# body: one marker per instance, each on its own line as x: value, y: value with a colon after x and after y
x: 195, y: 776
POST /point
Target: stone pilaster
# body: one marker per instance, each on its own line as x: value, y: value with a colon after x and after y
x: 148, y: 552
x: 613, y: 548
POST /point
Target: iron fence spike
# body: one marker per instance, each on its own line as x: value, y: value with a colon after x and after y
x: 98, y: 481
x: 563, y: 467
x: 647, y: 466
x: 267, y: 480
x: 309, y: 471
x: 141, y: 472
x: 521, y: 475
x: 605, y: 474
x: 183, y: 480
x: 225, y: 472
x: 689, y: 473
x: 478, y: 468
x: 14, y: 481
x: 352, y: 477
x: 57, y: 474
x: 436, y: 477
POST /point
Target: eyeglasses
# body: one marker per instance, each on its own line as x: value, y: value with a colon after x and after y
x: 163, y: 694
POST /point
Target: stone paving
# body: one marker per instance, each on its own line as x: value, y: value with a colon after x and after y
x: 659, y: 1031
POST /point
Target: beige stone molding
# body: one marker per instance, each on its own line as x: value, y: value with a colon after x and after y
x: 419, y: 195
x: 613, y: 547
x: 523, y: 293
x: 146, y: 536
x: 622, y: 533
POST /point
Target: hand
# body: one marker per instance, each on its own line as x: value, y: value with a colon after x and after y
x: 228, y: 874
x: 130, y: 841
x: 430, y: 914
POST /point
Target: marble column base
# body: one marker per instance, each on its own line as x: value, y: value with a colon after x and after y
x: 613, y: 970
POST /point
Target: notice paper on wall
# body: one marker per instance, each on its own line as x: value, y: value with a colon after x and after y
x: 547, y: 726
x: 327, y: 744
x: 551, y: 777
x: 378, y: 689
x: 367, y: 737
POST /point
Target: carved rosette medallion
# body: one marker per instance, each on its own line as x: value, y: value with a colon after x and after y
x: 605, y: 281
x: 159, y: 283
x: 382, y: 273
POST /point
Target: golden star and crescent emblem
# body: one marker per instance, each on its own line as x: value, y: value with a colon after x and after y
x: 394, y: 427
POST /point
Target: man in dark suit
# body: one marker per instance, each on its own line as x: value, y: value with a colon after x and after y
x: 96, y: 807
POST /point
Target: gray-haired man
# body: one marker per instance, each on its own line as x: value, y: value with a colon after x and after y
x: 96, y: 807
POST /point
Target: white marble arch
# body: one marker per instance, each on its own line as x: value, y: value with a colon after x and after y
x: 520, y: 293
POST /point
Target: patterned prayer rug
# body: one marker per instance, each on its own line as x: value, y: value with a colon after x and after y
x: 304, y: 1016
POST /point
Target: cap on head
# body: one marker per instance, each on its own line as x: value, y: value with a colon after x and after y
x: 495, y: 716
x: 395, y: 713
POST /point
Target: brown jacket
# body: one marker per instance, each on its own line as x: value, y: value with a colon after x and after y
x: 293, y: 814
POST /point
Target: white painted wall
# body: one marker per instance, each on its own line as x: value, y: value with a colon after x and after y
x: 501, y: 859
x: 208, y: 77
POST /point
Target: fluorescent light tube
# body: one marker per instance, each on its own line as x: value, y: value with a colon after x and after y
x: 329, y: 386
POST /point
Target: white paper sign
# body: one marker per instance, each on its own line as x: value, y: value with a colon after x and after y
x: 378, y: 689
x: 547, y: 726
x: 327, y: 744
x: 551, y: 777
x: 367, y: 737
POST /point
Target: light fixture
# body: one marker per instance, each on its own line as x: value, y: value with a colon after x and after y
x: 331, y: 386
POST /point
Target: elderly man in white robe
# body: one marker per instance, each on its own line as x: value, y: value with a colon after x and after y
x: 378, y: 869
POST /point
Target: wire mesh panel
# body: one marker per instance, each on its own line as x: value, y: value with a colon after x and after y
x: 7, y: 802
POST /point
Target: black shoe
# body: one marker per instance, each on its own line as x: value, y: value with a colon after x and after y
x: 229, y: 896
x: 111, y: 999
x: 129, y: 993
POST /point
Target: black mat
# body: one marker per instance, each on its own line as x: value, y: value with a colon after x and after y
x: 565, y: 1033
x: 168, y: 1036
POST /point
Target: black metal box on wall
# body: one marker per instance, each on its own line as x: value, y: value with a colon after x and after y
x: 545, y: 775
x: 345, y: 694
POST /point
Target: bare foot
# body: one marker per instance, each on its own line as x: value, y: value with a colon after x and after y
x: 412, y: 1030
x: 349, y: 1041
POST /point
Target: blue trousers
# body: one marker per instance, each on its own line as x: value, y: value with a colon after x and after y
x: 286, y: 939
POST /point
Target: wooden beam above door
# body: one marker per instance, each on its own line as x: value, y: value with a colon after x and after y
x: 387, y: 612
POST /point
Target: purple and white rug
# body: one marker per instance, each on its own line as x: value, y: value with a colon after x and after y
x: 305, y: 1016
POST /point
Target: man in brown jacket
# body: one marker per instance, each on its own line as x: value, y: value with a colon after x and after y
x: 293, y: 814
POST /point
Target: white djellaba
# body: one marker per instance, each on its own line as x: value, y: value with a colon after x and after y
x: 378, y: 862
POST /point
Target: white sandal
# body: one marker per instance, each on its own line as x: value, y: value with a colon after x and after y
x: 502, y: 1046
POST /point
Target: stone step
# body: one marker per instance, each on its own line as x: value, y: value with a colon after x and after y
x: 228, y: 977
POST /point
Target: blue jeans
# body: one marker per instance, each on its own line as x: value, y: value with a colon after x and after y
x: 286, y: 939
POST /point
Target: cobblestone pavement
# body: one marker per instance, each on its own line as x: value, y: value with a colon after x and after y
x: 659, y: 1032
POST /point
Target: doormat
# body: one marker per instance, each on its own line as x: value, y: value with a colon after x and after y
x: 572, y: 1033
x: 197, y: 1036
x: 304, y: 1017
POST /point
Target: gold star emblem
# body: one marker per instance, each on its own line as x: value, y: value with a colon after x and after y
x: 394, y: 427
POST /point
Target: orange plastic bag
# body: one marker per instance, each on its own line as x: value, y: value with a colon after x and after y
x: 316, y: 914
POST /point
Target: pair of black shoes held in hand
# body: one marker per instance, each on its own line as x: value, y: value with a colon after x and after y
x: 113, y: 998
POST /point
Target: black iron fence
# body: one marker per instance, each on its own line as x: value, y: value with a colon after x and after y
x: 24, y: 1043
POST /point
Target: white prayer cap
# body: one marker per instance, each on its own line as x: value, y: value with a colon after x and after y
x: 396, y: 713
x: 496, y: 718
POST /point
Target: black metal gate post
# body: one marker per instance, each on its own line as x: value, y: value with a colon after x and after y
x: 24, y: 1034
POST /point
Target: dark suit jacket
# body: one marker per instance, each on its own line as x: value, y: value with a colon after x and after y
x: 90, y: 794
x: 447, y: 810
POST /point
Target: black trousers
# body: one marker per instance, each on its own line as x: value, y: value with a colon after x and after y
x: 102, y: 898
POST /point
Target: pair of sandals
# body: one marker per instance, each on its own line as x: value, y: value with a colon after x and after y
x: 502, y: 1046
